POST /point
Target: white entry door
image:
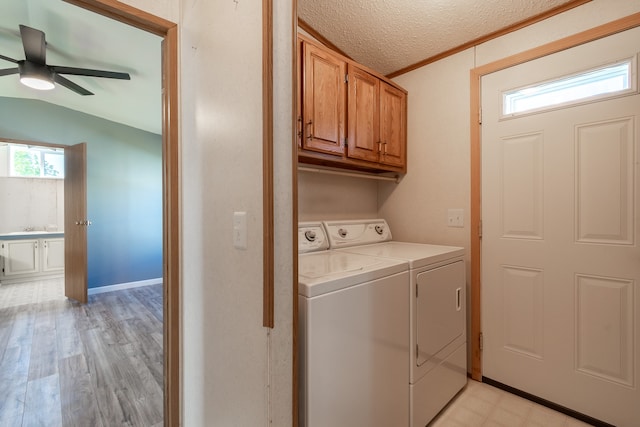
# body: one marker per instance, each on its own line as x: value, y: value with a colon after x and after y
x: 561, y: 240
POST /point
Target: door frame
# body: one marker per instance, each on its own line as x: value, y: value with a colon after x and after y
x: 476, y: 75
x: 171, y: 190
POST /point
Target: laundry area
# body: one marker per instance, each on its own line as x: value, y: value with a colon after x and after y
x: 384, y: 316
x: 401, y: 321
x: 381, y: 322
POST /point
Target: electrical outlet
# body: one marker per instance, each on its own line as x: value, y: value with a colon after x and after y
x: 455, y: 218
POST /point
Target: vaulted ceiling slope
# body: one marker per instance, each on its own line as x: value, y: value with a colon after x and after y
x: 79, y: 38
x: 390, y: 35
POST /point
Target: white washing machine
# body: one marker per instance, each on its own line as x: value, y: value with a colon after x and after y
x: 438, y: 360
x: 353, y: 336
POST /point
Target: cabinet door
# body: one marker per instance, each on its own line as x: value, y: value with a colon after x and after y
x: 324, y: 101
x: 363, y: 115
x: 21, y: 257
x: 393, y: 110
x: 52, y: 254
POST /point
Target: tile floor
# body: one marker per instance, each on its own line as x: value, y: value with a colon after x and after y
x: 35, y: 292
x: 482, y: 405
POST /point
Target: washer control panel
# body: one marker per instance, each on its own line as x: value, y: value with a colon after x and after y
x: 312, y: 237
x: 343, y: 234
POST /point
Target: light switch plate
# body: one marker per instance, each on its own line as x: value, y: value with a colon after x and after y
x: 455, y: 218
x: 240, y: 230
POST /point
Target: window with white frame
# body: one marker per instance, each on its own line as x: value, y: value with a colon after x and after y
x: 603, y: 82
x: 36, y: 162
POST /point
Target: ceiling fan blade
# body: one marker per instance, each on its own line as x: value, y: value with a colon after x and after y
x: 87, y: 72
x: 70, y: 85
x: 8, y: 71
x: 6, y: 58
x: 35, y: 47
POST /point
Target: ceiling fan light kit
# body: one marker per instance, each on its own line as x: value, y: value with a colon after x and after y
x: 35, y: 77
x: 35, y: 73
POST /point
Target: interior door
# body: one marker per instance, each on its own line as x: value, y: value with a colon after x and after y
x: 560, y: 244
x: 75, y: 222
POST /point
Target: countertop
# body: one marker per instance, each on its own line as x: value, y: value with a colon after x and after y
x: 21, y: 235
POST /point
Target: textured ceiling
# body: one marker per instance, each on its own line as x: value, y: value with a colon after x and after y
x: 389, y: 35
x: 79, y: 38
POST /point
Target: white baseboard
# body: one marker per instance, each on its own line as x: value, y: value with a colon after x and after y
x: 121, y: 286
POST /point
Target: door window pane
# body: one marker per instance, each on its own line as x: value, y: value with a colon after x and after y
x: 604, y: 82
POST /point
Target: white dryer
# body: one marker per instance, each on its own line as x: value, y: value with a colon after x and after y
x: 438, y: 360
x: 353, y: 336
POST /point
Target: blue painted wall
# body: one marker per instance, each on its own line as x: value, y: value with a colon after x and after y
x: 124, y: 185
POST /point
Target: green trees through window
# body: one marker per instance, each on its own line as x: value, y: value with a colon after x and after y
x: 27, y: 161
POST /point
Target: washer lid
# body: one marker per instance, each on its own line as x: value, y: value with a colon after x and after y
x: 418, y: 254
x: 328, y: 271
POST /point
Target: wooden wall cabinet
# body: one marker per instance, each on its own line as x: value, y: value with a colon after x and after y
x: 349, y: 116
x: 323, y: 113
x: 377, y: 130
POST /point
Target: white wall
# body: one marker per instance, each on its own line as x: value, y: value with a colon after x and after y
x: 235, y: 372
x: 330, y: 197
x: 31, y: 202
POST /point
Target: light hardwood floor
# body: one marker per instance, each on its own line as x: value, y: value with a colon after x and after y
x: 99, y: 364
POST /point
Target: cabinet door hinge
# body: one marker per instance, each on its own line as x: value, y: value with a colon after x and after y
x: 480, y: 229
x: 481, y: 341
x: 346, y: 78
x: 417, y: 352
x: 346, y: 142
x: 479, y: 116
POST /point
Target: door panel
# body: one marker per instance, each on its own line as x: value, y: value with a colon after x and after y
x: 364, y: 136
x: 393, y: 113
x: 439, y: 309
x: 560, y: 244
x: 75, y: 228
x: 324, y: 101
x: 21, y: 257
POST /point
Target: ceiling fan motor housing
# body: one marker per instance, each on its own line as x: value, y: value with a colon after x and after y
x: 36, y: 76
x: 30, y: 69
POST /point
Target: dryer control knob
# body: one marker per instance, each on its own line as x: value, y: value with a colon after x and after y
x: 342, y: 232
x: 379, y: 229
x: 310, y: 235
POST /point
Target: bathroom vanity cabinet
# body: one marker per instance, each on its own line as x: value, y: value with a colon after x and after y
x: 26, y: 259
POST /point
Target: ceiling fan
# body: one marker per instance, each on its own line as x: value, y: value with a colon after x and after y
x: 37, y: 74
